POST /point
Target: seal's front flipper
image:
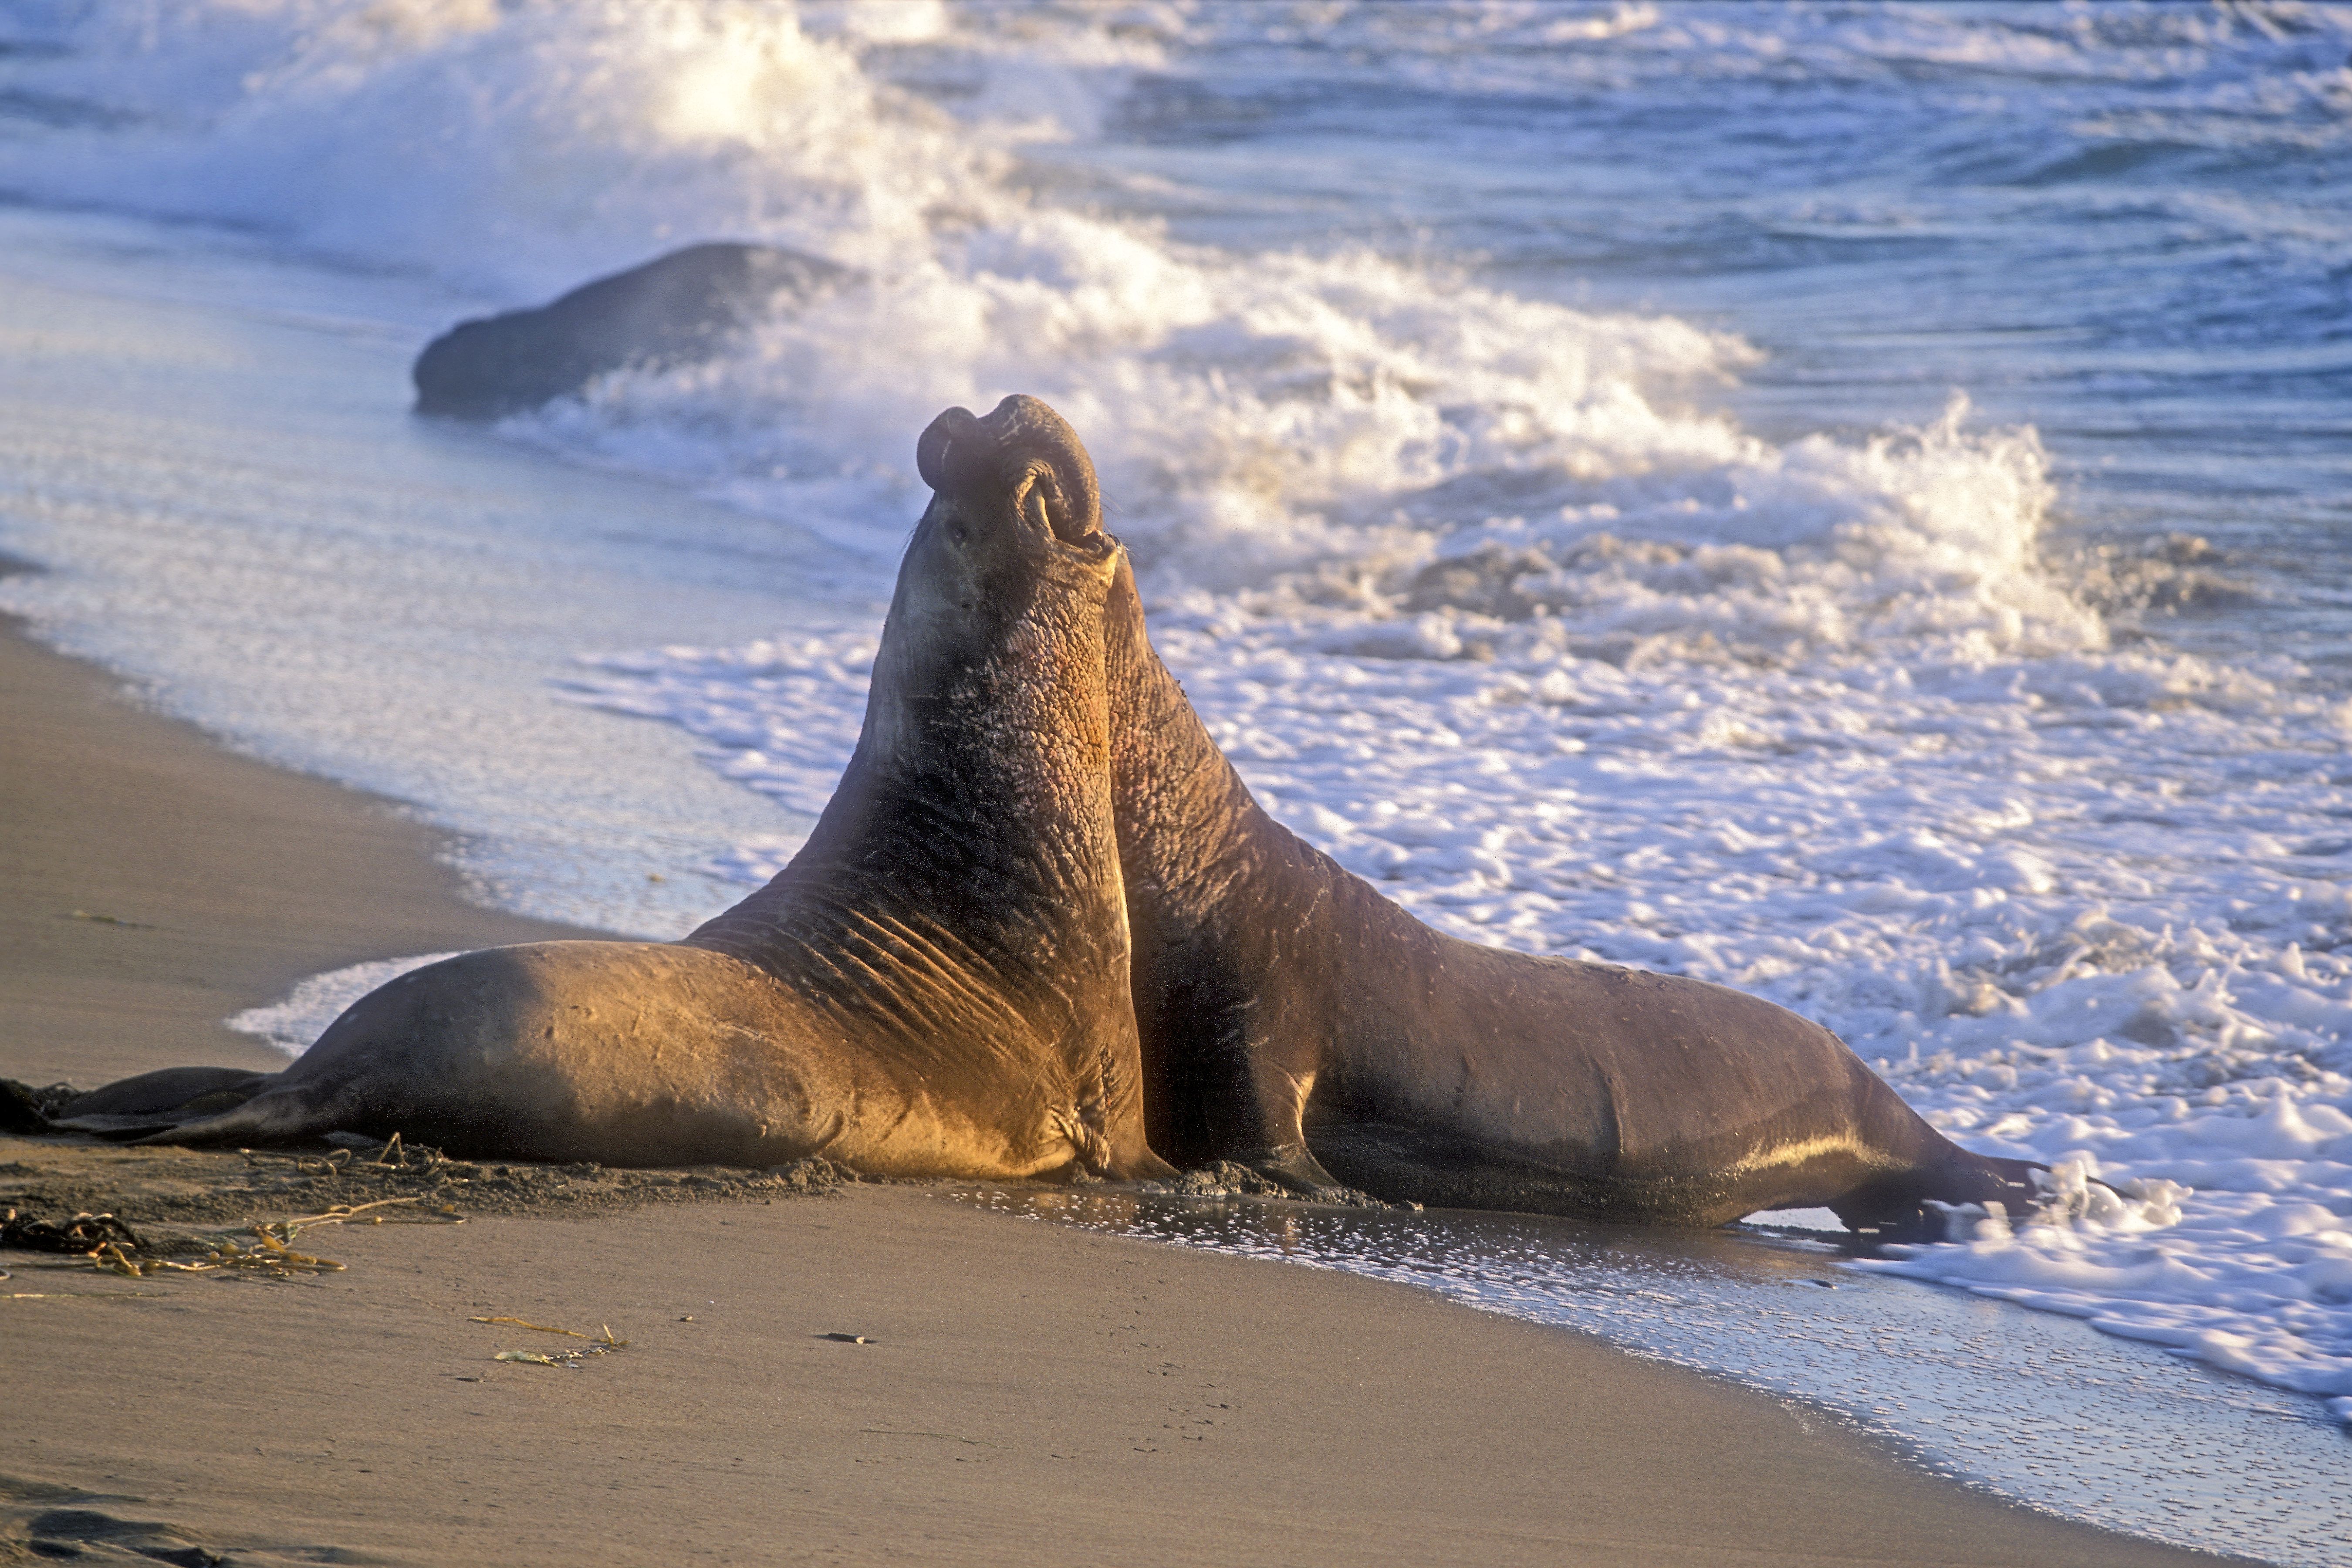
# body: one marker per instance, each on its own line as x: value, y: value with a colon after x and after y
x: 1290, y: 1167
x: 1296, y: 1174
x: 159, y: 1101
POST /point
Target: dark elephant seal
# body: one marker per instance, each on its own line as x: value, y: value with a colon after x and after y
x: 677, y: 308
x: 1295, y: 1021
x: 937, y: 985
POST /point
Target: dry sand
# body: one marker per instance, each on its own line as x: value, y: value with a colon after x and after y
x: 1034, y: 1395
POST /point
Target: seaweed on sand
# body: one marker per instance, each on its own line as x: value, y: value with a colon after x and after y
x: 215, y: 1212
x: 603, y: 1344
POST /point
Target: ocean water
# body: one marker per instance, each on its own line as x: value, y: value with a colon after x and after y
x: 1845, y: 500
x: 210, y: 453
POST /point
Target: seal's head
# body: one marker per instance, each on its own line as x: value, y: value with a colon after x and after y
x: 1023, y: 443
x: 1013, y: 532
x: 997, y: 624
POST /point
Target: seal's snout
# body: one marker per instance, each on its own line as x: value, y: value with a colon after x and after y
x: 947, y: 444
x: 1026, y: 451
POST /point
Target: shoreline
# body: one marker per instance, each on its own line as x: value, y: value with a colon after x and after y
x: 1075, y: 1398
x: 1037, y: 1393
x: 153, y: 883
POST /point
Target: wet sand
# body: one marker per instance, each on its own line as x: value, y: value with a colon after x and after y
x: 1034, y: 1394
x: 152, y: 884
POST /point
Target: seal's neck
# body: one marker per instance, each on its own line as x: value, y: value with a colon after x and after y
x: 975, y: 818
x: 1183, y: 813
x: 1002, y: 748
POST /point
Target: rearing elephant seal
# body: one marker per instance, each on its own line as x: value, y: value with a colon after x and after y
x: 936, y: 985
x: 1295, y: 1021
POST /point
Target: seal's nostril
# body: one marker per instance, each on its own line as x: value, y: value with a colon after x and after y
x: 1069, y: 523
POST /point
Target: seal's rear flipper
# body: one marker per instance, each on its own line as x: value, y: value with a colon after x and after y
x: 295, y: 1113
x: 21, y: 1109
x: 159, y: 1101
x: 1913, y: 1207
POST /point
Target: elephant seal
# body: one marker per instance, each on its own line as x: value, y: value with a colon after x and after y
x: 937, y: 985
x: 1298, y: 1023
x: 677, y: 308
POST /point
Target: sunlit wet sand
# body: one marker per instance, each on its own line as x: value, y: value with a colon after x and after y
x: 212, y: 456
x: 2028, y: 1405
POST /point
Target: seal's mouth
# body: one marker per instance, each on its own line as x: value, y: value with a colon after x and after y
x: 1025, y: 446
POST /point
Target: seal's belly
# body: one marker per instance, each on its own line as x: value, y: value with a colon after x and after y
x: 651, y: 1054
x: 1438, y: 1168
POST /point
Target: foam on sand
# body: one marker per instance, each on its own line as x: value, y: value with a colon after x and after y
x: 295, y: 1024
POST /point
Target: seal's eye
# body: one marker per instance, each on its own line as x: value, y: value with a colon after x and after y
x: 956, y: 533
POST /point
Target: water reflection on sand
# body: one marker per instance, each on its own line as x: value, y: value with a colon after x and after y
x: 2040, y: 1409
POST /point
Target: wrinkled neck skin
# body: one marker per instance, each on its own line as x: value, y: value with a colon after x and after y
x: 969, y: 842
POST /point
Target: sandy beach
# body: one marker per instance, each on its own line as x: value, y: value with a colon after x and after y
x: 157, y: 884
x: 1032, y: 1394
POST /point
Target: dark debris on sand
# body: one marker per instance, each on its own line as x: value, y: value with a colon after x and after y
x: 41, y: 1522
x: 1227, y: 1179
x: 173, y: 1200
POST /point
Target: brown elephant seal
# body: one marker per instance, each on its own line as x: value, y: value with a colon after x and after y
x: 937, y: 985
x: 1298, y: 1023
